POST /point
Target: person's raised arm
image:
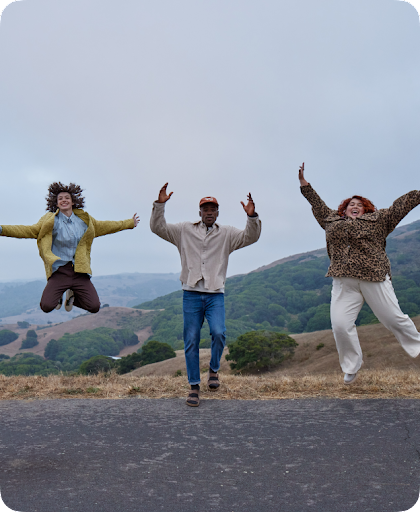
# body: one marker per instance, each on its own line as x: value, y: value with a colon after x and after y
x: 252, y: 231
x: 400, y: 208
x: 319, y: 208
x: 169, y: 232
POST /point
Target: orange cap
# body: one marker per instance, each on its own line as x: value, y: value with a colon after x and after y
x: 209, y: 199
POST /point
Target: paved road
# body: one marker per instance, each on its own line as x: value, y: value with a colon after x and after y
x: 225, y: 456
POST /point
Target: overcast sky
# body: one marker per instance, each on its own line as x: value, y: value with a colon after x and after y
x: 218, y: 97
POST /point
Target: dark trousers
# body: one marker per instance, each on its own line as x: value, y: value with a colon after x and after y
x: 65, y: 278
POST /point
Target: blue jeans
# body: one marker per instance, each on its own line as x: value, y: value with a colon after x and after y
x: 196, y: 306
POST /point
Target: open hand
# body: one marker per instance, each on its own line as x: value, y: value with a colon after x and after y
x: 136, y: 219
x: 302, y: 180
x: 249, y: 207
x: 163, y: 196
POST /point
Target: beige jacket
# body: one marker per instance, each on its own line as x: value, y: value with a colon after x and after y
x: 204, y: 254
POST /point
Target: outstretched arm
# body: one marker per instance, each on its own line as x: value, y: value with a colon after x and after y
x: 169, y: 232
x: 20, y: 231
x: 106, y: 227
x: 319, y: 208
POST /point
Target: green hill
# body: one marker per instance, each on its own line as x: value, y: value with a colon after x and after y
x: 293, y: 296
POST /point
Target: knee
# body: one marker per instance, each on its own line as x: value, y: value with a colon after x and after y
x: 219, y: 335
x: 95, y: 308
x: 46, y: 308
x: 342, y: 327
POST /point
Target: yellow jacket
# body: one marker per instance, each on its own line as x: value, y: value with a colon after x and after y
x: 43, y: 229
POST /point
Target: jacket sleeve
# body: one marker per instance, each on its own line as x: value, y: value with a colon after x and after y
x: 169, y: 232
x: 106, y: 227
x: 248, y: 236
x: 400, y: 208
x: 20, y: 231
x: 319, y: 208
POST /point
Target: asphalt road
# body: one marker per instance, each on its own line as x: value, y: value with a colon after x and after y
x: 234, y: 456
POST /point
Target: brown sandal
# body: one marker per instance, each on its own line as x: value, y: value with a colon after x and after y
x: 193, y: 399
x: 213, y: 382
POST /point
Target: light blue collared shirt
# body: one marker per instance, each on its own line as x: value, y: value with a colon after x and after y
x: 66, y: 236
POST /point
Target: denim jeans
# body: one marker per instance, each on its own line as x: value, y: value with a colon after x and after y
x: 196, y: 307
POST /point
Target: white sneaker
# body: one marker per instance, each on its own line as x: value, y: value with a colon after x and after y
x: 69, y: 300
x: 349, y: 378
x: 60, y: 303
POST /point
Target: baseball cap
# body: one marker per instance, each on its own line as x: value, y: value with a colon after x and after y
x: 208, y: 199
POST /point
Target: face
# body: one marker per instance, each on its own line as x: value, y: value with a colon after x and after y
x: 355, y: 208
x: 209, y: 213
x: 64, y: 201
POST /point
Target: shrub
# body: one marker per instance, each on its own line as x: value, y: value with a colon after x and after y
x: 128, y: 363
x: 96, y: 364
x: 155, y: 351
x: 23, y: 325
x: 7, y: 337
x: 260, y: 350
x: 3, y: 356
x: 31, y: 339
x: 320, y: 345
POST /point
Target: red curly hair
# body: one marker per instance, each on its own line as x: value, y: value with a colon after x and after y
x: 368, y: 206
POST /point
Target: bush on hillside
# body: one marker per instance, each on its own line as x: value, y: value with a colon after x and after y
x: 31, y: 339
x: 23, y: 325
x: 128, y: 363
x: 154, y: 351
x: 73, y: 349
x: 28, y: 364
x: 260, y: 350
x: 7, y: 336
x: 4, y: 356
x: 96, y: 364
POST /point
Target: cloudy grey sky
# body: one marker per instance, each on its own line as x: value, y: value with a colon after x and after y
x: 218, y: 97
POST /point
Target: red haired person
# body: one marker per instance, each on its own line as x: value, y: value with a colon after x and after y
x: 356, y: 238
x: 65, y: 235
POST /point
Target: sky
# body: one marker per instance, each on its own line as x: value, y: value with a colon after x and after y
x: 216, y: 97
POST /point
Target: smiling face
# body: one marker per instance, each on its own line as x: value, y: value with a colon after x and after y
x: 65, y: 203
x: 209, y: 213
x: 355, y: 208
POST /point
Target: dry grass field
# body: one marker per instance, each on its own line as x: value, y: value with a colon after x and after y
x: 389, y: 383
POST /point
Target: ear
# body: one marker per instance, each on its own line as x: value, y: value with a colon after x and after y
x: 199, y: 212
x: 217, y: 214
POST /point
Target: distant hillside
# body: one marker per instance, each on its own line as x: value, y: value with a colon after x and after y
x: 292, y: 295
x: 20, y: 301
x: 115, y: 318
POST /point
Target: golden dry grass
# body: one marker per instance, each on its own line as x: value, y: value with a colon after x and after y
x: 387, y: 383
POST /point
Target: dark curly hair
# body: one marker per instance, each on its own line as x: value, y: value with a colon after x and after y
x: 368, y: 206
x: 74, y: 190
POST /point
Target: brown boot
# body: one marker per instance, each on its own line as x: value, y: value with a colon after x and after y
x: 213, y: 382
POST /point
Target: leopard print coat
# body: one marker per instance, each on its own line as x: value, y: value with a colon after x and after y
x: 356, y: 247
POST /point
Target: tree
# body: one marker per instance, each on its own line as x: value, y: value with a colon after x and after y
x: 7, y: 336
x: 260, y: 350
x: 23, y: 325
x: 96, y: 364
x: 31, y: 339
x: 155, y: 351
x: 128, y: 363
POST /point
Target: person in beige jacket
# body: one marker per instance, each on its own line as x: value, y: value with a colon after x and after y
x: 204, y: 247
x: 64, y: 236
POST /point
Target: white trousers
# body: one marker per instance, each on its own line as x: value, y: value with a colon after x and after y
x: 347, y: 298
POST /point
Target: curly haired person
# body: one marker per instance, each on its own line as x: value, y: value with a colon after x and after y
x: 356, y: 239
x: 64, y: 236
